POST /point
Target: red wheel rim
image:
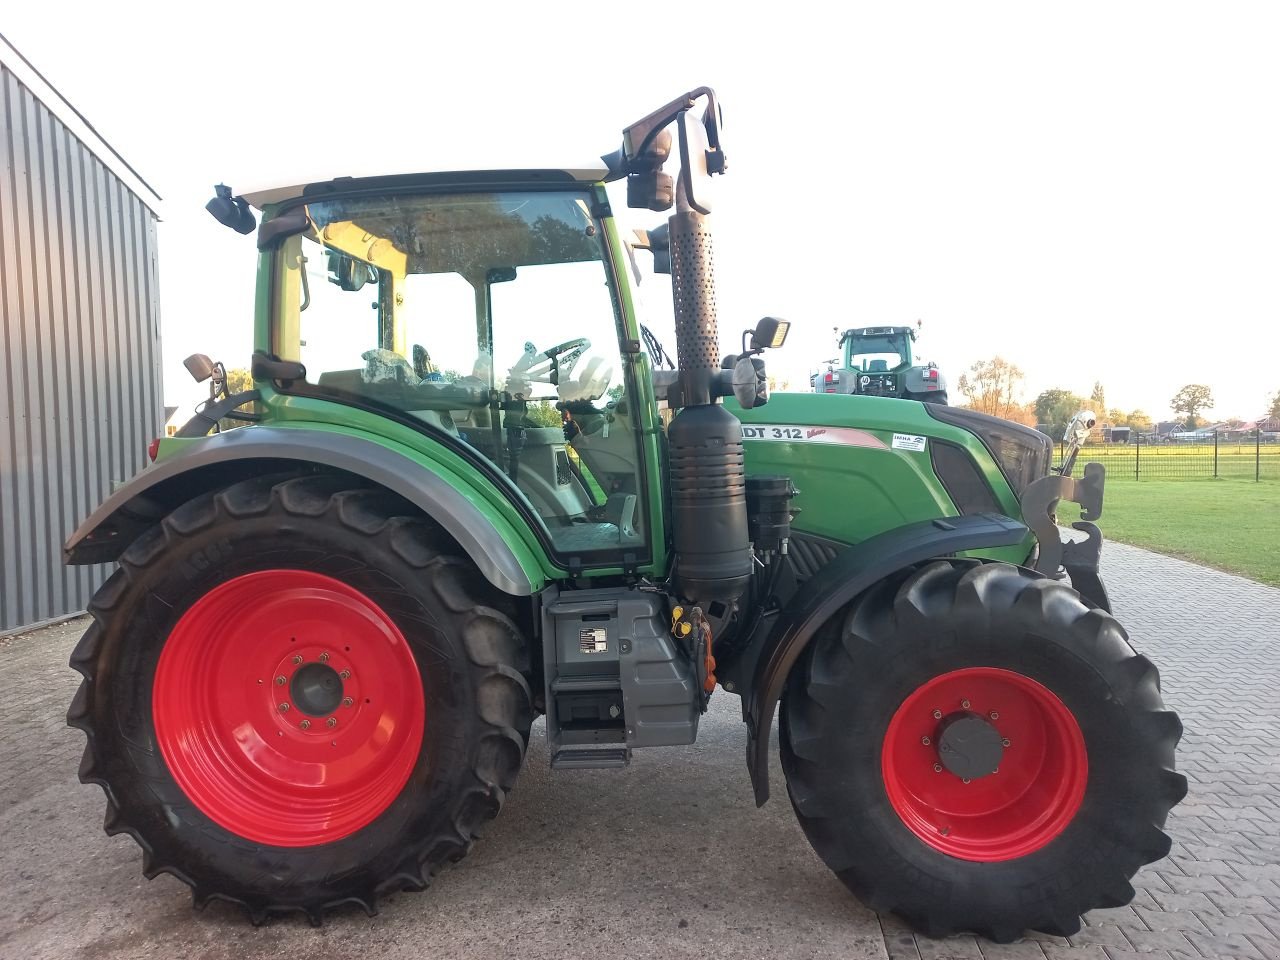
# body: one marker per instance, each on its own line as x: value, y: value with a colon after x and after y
x: 1031, y: 796
x: 288, y: 707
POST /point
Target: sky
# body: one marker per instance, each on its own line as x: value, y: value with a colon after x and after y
x: 1091, y: 190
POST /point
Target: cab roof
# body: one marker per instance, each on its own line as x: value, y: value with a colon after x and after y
x: 514, y: 178
x: 878, y: 331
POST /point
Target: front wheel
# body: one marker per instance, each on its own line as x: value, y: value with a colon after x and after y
x: 295, y: 697
x: 974, y: 748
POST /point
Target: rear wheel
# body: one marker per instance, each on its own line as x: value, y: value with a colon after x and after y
x: 295, y: 697
x: 973, y: 748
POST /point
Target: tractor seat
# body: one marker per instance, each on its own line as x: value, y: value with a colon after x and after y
x: 878, y: 366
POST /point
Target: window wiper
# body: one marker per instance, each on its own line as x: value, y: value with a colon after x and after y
x: 655, y: 348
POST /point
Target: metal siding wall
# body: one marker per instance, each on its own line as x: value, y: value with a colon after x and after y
x: 80, y: 389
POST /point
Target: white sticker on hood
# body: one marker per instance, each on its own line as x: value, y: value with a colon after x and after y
x: 907, y: 441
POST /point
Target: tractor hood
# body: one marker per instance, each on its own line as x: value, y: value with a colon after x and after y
x: 864, y: 465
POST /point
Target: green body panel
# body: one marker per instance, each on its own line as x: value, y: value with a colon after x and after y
x: 850, y: 492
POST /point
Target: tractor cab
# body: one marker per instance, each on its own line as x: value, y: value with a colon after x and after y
x: 878, y: 362
x: 487, y: 317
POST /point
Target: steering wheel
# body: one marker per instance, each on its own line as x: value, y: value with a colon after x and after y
x: 548, y: 366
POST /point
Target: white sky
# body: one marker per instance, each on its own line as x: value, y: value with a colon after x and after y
x: 1090, y: 189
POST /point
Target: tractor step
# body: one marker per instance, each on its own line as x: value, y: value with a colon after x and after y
x: 590, y: 758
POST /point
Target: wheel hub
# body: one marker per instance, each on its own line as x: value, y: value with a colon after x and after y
x: 969, y: 745
x: 984, y: 764
x: 316, y: 689
x: 288, y: 707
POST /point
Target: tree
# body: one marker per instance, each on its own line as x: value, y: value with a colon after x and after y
x: 1274, y: 409
x: 1190, y: 400
x: 239, y: 380
x: 1054, y: 410
x: 992, y: 386
x: 1139, y: 421
x: 1098, y: 399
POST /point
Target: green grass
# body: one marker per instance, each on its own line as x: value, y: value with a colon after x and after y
x: 1233, y: 525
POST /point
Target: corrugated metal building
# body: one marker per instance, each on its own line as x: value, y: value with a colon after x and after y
x: 80, y: 389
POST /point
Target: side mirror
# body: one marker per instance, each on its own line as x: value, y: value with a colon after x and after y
x: 648, y: 188
x: 199, y: 366
x: 769, y: 334
x: 233, y: 212
x: 658, y: 242
x: 750, y: 386
x: 348, y: 273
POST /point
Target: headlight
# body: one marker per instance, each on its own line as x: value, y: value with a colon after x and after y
x: 1023, y: 455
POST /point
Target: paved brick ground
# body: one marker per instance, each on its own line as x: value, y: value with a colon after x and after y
x: 670, y: 857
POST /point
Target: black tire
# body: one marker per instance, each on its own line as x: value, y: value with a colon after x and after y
x: 472, y: 659
x: 953, y: 615
x: 934, y: 396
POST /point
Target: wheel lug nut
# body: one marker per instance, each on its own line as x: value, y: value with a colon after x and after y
x: 993, y: 715
x: 345, y: 674
x: 1004, y: 742
x: 937, y: 768
x: 937, y: 714
x: 964, y: 779
x: 284, y: 708
x: 305, y: 724
x: 964, y: 704
x: 324, y: 658
x: 926, y: 741
x: 332, y: 721
x: 279, y: 681
x: 297, y: 658
x: 347, y: 701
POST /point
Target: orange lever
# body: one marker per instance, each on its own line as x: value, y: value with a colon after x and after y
x: 709, y: 663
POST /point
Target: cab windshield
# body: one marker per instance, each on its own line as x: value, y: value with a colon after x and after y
x: 876, y: 354
x: 488, y: 317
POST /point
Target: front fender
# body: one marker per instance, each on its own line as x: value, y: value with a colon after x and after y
x: 852, y: 572
x: 224, y: 458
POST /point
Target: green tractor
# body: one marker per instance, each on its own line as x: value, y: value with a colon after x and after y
x: 878, y: 362
x: 462, y: 497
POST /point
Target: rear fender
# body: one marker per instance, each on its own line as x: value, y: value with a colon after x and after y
x: 822, y: 596
x: 222, y: 459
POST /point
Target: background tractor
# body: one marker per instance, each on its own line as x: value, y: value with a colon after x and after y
x: 877, y: 362
x: 454, y: 506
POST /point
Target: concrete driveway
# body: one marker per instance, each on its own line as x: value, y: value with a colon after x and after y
x: 670, y: 857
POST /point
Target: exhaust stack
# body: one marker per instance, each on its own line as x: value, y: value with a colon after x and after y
x: 708, y: 472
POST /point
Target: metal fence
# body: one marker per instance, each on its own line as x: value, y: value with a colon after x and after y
x: 1230, y: 456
